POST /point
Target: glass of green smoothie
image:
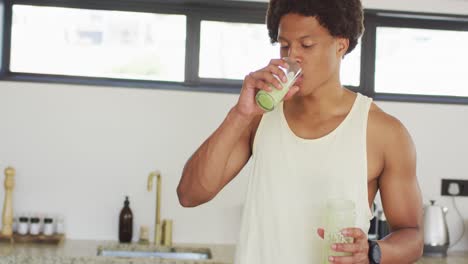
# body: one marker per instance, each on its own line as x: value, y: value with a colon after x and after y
x: 340, y: 214
x: 269, y: 100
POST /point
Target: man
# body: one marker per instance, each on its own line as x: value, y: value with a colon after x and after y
x: 323, y: 141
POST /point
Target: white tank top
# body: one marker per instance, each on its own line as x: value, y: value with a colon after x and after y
x: 291, y: 179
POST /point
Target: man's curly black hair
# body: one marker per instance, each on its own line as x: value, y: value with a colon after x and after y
x: 342, y: 18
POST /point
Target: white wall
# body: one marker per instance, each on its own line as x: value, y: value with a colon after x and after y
x: 432, y: 6
x: 79, y: 149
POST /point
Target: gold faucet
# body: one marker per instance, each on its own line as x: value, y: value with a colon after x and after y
x: 162, y: 232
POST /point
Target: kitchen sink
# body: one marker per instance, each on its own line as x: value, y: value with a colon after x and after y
x: 151, y: 251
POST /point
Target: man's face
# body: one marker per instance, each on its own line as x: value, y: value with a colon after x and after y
x: 319, y: 54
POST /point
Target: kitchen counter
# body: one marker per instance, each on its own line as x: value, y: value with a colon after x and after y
x: 85, y: 252
x: 452, y: 258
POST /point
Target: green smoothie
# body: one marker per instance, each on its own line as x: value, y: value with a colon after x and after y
x: 269, y: 100
x: 340, y: 214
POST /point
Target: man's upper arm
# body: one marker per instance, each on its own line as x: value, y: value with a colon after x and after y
x: 240, y: 154
x: 398, y: 184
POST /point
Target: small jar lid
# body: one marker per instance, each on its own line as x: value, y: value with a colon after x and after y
x: 35, y: 220
x: 23, y: 219
x: 48, y: 220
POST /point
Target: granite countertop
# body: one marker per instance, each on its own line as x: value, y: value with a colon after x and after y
x: 85, y: 252
x: 456, y: 257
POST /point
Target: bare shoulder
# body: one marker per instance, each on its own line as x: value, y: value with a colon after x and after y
x: 382, y: 121
x: 385, y: 126
x: 389, y: 137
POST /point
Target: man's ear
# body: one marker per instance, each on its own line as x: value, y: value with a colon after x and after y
x: 342, y: 47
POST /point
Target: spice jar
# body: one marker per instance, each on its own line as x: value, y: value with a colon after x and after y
x: 60, y: 225
x: 23, y: 225
x: 48, y: 226
x: 35, y: 226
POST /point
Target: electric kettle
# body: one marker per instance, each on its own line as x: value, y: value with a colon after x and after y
x: 436, y: 235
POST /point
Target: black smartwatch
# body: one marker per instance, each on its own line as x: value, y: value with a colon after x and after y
x: 375, y: 254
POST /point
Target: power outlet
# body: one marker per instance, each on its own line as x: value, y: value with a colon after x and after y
x: 454, y: 187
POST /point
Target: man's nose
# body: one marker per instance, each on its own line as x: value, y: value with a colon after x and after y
x: 294, y: 54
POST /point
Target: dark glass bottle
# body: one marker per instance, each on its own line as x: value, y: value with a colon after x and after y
x: 126, y: 223
x: 373, y: 232
x: 383, y: 226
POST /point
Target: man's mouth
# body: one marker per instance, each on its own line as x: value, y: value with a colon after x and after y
x: 298, y: 82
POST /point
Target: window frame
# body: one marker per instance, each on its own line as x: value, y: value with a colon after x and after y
x: 226, y: 11
x: 380, y: 18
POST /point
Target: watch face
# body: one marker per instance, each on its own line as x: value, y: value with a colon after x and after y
x: 376, y: 254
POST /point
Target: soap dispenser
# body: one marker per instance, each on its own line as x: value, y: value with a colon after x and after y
x: 126, y: 223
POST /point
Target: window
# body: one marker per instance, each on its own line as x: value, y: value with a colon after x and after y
x: 210, y: 46
x: 351, y: 68
x: 232, y: 50
x: 97, y: 43
x: 421, y: 61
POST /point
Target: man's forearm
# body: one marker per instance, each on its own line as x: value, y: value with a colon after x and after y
x: 402, y: 246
